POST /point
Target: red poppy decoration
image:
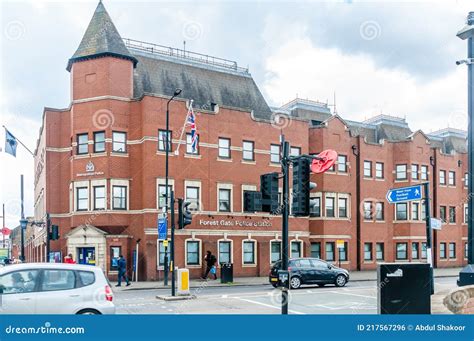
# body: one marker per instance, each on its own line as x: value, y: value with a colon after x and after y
x: 6, y: 231
x: 326, y: 160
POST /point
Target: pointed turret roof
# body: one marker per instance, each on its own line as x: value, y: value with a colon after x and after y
x: 101, y: 39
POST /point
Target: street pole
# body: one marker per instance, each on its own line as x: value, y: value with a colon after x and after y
x: 429, y: 249
x: 285, y: 213
x: 466, y: 276
x: 3, y: 216
x: 22, y: 232
x: 470, y: 132
x: 167, y: 151
x: 48, y: 237
x: 173, y: 275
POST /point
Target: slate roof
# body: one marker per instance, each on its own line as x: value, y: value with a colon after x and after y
x: 160, y: 75
x: 101, y: 39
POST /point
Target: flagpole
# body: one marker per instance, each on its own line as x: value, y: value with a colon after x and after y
x: 16, y: 138
x: 184, y: 126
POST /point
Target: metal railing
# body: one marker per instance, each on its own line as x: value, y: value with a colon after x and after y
x: 183, y: 54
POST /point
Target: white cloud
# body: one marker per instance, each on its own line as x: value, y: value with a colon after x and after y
x: 363, y: 89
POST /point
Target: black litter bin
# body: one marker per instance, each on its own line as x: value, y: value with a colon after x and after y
x: 227, y: 272
x: 404, y: 288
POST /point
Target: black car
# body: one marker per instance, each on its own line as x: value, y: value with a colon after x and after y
x: 310, y: 271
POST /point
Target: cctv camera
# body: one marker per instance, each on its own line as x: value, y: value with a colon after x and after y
x: 459, y: 62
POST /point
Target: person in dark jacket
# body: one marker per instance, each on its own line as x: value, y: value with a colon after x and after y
x: 122, y: 271
x: 211, y: 261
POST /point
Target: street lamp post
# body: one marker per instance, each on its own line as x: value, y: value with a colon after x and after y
x: 466, y: 276
x: 167, y: 150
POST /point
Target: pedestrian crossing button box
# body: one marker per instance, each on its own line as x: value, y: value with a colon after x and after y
x: 283, y: 278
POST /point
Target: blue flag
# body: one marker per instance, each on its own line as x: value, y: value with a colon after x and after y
x: 10, y: 143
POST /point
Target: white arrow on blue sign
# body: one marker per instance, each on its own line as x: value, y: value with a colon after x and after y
x: 162, y: 228
x: 403, y: 194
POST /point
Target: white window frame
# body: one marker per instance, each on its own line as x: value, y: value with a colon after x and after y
x: 192, y: 266
x: 301, y: 247
x: 377, y: 170
x: 162, y: 182
x: 270, y: 251
x: 442, y: 171
x: 342, y: 163
x: 415, y: 166
x: 334, y: 197
x: 231, y: 249
x: 422, y: 174
x: 318, y: 195
x: 227, y: 186
x: 271, y: 153
x: 98, y: 183
x: 124, y: 142
x: 227, y: 139
x: 247, y: 151
x: 79, y: 184
x: 255, y: 258
x: 119, y: 182
x: 194, y: 183
x: 453, y: 178
x: 348, y: 205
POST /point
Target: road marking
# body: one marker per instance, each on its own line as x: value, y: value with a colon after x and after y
x: 268, y: 305
x: 225, y: 296
x: 346, y: 293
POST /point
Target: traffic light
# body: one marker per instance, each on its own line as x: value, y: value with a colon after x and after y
x: 301, y: 187
x: 185, y: 217
x: 54, y: 232
x: 269, y: 190
x: 252, y: 201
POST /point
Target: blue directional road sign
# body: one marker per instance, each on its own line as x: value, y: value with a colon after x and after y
x: 162, y: 228
x: 403, y: 194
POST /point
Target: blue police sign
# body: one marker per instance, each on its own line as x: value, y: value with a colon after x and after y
x: 162, y: 228
x: 403, y: 194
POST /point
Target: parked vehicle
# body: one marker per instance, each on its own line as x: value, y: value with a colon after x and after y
x: 52, y: 288
x: 310, y: 271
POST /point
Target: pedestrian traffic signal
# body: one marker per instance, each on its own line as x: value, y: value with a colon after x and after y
x: 301, y: 204
x: 54, y: 232
x: 269, y: 190
x: 185, y: 217
x: 252, y: 201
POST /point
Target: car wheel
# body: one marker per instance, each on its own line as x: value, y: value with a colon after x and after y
x: 88, y: 312
x: 341, y: 280
x: 295, y: 282
x: 274, y: 285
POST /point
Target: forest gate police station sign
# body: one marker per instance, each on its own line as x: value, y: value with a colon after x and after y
x: 238, y: 223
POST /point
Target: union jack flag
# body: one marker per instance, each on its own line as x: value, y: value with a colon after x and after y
x: 191, y: 121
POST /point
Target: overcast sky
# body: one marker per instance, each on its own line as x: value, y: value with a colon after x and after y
x: 391, y: 57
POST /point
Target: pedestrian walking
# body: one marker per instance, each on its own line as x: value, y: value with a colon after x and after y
x: 69, y: 260
x: 122, y: 271
x: 211, y: 261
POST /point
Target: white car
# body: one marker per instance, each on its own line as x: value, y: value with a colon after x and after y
x: 53, y: 288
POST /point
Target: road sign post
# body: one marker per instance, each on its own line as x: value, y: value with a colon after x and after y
x: 162, y: 235
x: 412, y: 193
x: 340, y: 246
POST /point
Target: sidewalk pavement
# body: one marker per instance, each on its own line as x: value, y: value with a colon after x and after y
x: 355, y: 276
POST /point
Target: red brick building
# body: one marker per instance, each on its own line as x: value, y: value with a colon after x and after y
x: 100, y: 167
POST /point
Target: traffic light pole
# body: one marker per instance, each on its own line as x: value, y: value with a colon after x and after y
x: 429, y: 248
x: 285, y: 168
x: 48, y: 237
x: 173, y: 275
